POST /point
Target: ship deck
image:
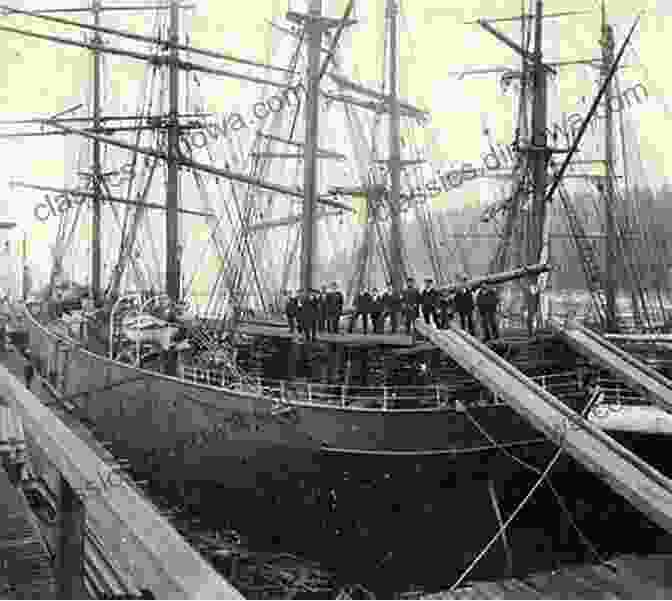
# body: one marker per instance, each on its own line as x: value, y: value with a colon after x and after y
x: 624, y: 577
x: 356, y: 338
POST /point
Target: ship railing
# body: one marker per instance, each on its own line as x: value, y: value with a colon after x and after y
x: 454, y: 395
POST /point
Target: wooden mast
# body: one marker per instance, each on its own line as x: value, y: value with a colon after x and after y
x: 538, y: 146
x: 314, y: 29
x: 396, y: 258
x: 172, y: 185
x: 97, y: 171
x: 608, y: 190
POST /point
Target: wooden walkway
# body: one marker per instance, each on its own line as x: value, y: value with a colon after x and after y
x: 624, y: 577
x: 623, y: 365
x: 26, y: 570
x: 137, y: 543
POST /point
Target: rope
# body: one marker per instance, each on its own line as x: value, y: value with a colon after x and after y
x: 543, y: 476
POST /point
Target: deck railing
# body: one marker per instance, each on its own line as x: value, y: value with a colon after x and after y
x: 390, y: 397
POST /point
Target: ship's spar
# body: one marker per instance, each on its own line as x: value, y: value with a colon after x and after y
x: 537, y: 150
x: 173, y: 157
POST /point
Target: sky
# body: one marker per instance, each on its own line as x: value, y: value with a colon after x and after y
x: 38, y: 78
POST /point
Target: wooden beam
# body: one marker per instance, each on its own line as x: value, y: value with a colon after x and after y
x: 642, y: 485
x: 140, y: 541
x: 623, y: 365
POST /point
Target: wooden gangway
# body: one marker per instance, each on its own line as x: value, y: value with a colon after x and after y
x: 642, y: 485
x: 144, y: 549
x: 656, y: 387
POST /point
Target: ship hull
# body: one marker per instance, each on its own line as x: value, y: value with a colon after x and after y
x: 189, y: 431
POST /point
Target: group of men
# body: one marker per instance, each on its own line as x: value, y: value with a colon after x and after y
x: 316, y: 311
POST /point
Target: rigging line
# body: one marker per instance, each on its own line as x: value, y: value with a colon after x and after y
x: 561, y: 502
x: 542, y: 478
x: 145, y: 222
x: 127, y: 242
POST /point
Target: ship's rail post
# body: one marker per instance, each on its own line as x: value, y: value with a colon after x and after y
x: 70, y: 564
x: 437, y: 394
x: 342, y: 395
x: 309, y: 389
x: 385, y: 397
x: 283, y: 391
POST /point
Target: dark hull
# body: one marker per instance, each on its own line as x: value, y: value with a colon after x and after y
x: 195, y: 432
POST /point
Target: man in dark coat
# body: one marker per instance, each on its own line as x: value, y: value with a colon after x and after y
x: 487, y: 302
x: 308, y: 314
x: 322, y: 302
x: 429, y: 302
x: 446, y: 310
x: 411, y: 302
x: 533, y: 305
x: 291, y: 310
x: 362, y: 306
x: 376, y: 311
x: 334, y: 308
x: 464, y: 304
x: 391, y: 307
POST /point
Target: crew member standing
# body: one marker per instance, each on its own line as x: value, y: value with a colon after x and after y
x: 428, y: 301
x: 334, y: 308
x: 446, y: 310
x: 487, y: 301
x: 464, y: 303
x: 376, y: 311
x: 291, y: 310
x: 392, y: 305
x: 362, y: 303
x: 308, y: 316
x: 322, y: 302
x: 411, y: 302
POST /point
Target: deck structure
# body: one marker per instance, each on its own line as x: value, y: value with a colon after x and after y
x: 345, y: 338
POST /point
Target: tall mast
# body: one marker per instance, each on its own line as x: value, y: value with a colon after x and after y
x: 172, y: 187
x: 538, y: 147
x: 608, y: 190
x: 97, y: 176
x: 314, y: 30
x: 394, y: 151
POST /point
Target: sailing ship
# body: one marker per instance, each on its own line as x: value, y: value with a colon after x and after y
x: 203, y: 423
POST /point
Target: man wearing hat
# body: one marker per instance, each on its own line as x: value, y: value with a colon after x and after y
x: 411, y: 302
x: 334, y: 308
x: 487, y: 301
x: 464, y: 303
x: 429, y: 302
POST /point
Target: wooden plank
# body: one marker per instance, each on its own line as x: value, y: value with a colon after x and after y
x: 618, y: 362
x: 645, y: 487
x: 136, y: 537
x: 25, y: 565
